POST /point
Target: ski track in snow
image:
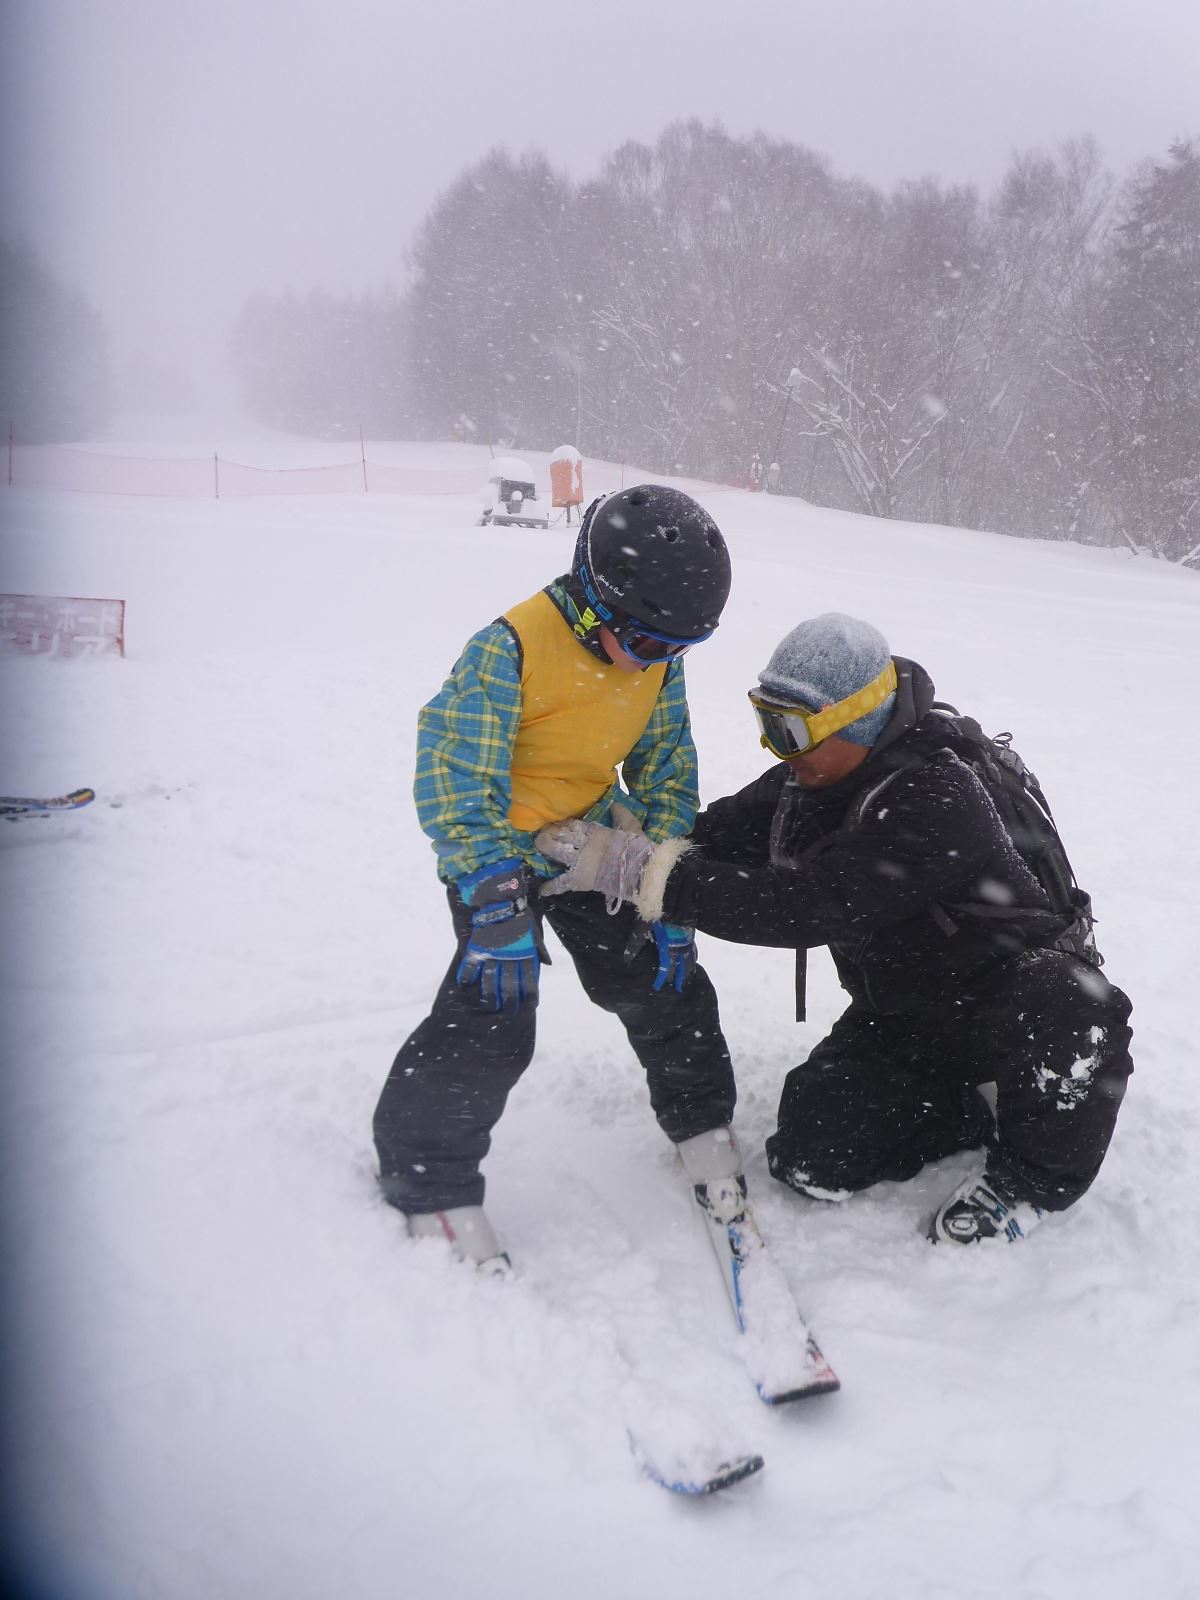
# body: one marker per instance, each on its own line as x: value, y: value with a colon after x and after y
x: 236, y: 1377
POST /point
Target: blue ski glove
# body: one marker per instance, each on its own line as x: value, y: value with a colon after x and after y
x: 676, y: 954
x: 676, y: 949
x: 504, y: 953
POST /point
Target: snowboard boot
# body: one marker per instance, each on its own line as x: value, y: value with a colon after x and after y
x: 469, y: 1234
x: 977, y: 1211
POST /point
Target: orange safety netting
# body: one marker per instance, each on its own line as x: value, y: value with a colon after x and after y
x: 235, y: 479
x: 49, y: 466
x: 213, y: 477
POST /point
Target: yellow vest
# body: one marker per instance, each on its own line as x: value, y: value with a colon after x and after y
x: 580, y: 718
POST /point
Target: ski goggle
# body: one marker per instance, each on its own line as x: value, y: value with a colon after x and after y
x: 640, y: 643
x: 791, y: 730
x: 645, y: 645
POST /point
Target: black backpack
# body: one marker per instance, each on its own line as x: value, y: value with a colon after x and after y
x: 1026, y: 816
x: 1029, y: 822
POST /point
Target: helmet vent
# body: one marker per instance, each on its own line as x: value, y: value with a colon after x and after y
x: 656, y: 557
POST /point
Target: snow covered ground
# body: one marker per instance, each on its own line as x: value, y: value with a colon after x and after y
x: 232, y: 1376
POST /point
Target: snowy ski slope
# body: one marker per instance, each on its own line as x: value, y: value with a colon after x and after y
x: 234, y: 1376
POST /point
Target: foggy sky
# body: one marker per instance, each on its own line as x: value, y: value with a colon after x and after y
x: 171, y: 156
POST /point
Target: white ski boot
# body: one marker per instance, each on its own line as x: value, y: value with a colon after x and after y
x: 713, y: 1162
x: 469, y: 1234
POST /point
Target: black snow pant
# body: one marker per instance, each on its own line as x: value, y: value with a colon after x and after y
x: 450, y: 1081
x: 881, y: 1096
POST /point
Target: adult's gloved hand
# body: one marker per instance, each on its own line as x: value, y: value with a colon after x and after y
x: 504, y: 953
x: 608, y: 860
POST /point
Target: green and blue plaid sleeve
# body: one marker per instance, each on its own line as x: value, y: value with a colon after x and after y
x: 660, y: 772
x: 465, y: 737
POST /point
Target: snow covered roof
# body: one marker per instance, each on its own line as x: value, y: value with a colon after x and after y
x: 510, y: 467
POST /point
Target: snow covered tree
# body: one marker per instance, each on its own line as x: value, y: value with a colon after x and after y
x: 1151, y: 334
x: 492, y: 317
x: 1039, y: 413
x: 692, y: 246
x: 888, y: 342
x: 55, y: 381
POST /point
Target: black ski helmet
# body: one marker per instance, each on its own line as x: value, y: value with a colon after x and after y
x: 652, y: 555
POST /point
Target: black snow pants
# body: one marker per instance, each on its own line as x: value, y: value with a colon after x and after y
x: 881, y: 1096
x: 450, y: 1081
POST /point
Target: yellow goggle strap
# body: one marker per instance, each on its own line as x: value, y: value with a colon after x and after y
x: 821, y: 724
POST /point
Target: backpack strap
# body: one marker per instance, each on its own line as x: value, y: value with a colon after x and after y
x: 818, y: 847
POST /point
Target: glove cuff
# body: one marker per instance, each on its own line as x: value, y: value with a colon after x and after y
x: 493, y: 882
x: 658, y: 869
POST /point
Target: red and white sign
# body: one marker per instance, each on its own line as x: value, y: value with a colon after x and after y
x: 61, y: 625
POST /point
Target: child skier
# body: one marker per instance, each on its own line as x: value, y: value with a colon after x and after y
x: 533, y: 722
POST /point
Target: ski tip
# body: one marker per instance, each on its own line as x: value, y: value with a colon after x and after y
x: 826, y: 1383
x: 731, y: 1472
x: 697, y: 1485
x: 21, y: 806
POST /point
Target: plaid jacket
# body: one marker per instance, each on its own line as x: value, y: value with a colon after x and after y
x: 465, y: 739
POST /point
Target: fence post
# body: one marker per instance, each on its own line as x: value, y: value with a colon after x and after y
x: 363, y: 451
x: 10, y: 452
x: 216, y: 477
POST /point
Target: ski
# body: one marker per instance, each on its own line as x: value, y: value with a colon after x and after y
x: 674, y: 1440
x: 781, y: 1353
x: 687, y: 1480
x: 21, y: 806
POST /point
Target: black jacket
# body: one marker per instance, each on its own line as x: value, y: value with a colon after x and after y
x: 868, y: 867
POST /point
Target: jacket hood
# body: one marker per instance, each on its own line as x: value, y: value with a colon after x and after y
x: 915, y: 695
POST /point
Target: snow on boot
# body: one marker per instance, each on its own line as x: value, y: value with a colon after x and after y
x: 710, y: 1156
x: 797, y: 1180
x: 977, y: 1211
x: 469, y: 1234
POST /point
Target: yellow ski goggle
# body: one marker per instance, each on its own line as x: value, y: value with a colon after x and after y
x: 791, y: 730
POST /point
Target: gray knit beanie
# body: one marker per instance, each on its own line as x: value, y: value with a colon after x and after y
x: 825, y: 659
